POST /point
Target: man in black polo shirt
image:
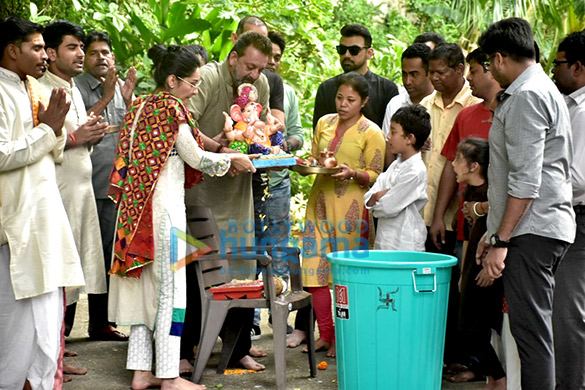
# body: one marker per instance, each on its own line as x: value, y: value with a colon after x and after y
x: 355, y: 49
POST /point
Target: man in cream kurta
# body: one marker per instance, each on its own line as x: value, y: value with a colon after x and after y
x: 37, y: 251
x: 452, y: 95
x: 74, y: 172
x: 230, y: 198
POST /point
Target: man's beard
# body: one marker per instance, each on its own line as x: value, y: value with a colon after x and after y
x: 237, y: 81
x: 350, y: 66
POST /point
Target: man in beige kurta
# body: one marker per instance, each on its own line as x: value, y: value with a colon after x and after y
x: 74, y: 172
x: 230, y: 198
x: 452, y: 95
x: 37, y: 251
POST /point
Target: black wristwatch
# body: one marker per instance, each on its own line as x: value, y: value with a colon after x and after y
x: 495, y: 241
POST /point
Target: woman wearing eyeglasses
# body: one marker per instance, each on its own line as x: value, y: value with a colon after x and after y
x: 336, y: 218
x: 159, y: 154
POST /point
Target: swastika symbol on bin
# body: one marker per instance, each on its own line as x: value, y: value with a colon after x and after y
x: 341, y: 295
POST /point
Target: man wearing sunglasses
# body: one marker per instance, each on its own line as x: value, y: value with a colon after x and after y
x: 568, y: 309
x: 355, y: 50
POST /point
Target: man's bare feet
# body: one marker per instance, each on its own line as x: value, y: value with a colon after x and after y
x: 295, y: 339
x: 257, y: 352
x: 73, y: 370
x: 251, y: 364
x: 69, y: 353
x: 144, y: 379
x: 492, y: 384
x: 185, y: 367
x: 180, y: 384
x: 320, y: 345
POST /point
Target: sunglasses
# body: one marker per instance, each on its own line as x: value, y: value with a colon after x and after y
x: 197, y: 82
x: 353, y: 50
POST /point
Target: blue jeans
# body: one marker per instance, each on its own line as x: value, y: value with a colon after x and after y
x: 274, y: 228
x: 276, y: 209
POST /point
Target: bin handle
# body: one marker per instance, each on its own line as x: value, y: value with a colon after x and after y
x: 424, y: 273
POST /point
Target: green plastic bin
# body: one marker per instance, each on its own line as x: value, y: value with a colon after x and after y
x: 390, y: 318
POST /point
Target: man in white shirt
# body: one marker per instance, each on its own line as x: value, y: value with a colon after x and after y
x: 37, y: 251
x: 417, y: 86
x: 569, y: 297
x: 415, y: 78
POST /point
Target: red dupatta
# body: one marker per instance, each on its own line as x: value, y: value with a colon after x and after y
x: 140, y: 157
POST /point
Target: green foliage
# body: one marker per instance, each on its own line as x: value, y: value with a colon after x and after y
x: 431, y: 15
x: 551, y: 20
x: 19, y: 8
x: 311, y: 28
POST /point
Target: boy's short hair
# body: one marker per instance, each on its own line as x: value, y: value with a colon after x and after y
x: 414, y: 120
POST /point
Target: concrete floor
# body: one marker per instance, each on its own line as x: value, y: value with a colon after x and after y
x: 105, y: 363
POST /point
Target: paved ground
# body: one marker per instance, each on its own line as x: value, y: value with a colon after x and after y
x: 105, y: 362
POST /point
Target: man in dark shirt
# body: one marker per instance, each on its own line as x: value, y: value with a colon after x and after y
x: 355, y: 50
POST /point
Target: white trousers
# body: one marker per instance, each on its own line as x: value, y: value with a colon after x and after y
x: 168, y: 347
x: 507, y: 351
x: 30, y: 334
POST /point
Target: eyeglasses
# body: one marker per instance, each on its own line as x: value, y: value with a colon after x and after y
x: 486, y: 64
x: 197, y: 82
x: 557, y: 63
x: 353, y: 50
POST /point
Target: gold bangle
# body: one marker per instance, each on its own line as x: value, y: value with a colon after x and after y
x: 475, y: 211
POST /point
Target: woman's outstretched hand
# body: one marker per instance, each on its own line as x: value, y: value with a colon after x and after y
x: 241, y: 163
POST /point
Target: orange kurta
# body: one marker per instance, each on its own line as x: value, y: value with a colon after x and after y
x: 336, y: 218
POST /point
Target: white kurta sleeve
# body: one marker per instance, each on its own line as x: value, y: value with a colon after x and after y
x: 26, y: 149
x: 59, y: 148
x: 213, y: 164
x: 402, y: 194
x: 375, y: 188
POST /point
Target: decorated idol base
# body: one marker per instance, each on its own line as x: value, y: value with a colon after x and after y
x: 274, y: 160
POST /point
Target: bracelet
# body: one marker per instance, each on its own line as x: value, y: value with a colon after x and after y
x: 475, y: 210
x: 219, y: 149
x: 355, y: 174
x: 73, y: 139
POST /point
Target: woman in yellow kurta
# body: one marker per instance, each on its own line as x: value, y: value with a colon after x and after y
x: 336, y: 217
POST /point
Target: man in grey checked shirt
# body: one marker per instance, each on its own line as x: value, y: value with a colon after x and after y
x: 531, y: 220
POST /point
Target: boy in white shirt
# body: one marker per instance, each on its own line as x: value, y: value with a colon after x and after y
x: 399, y: 195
